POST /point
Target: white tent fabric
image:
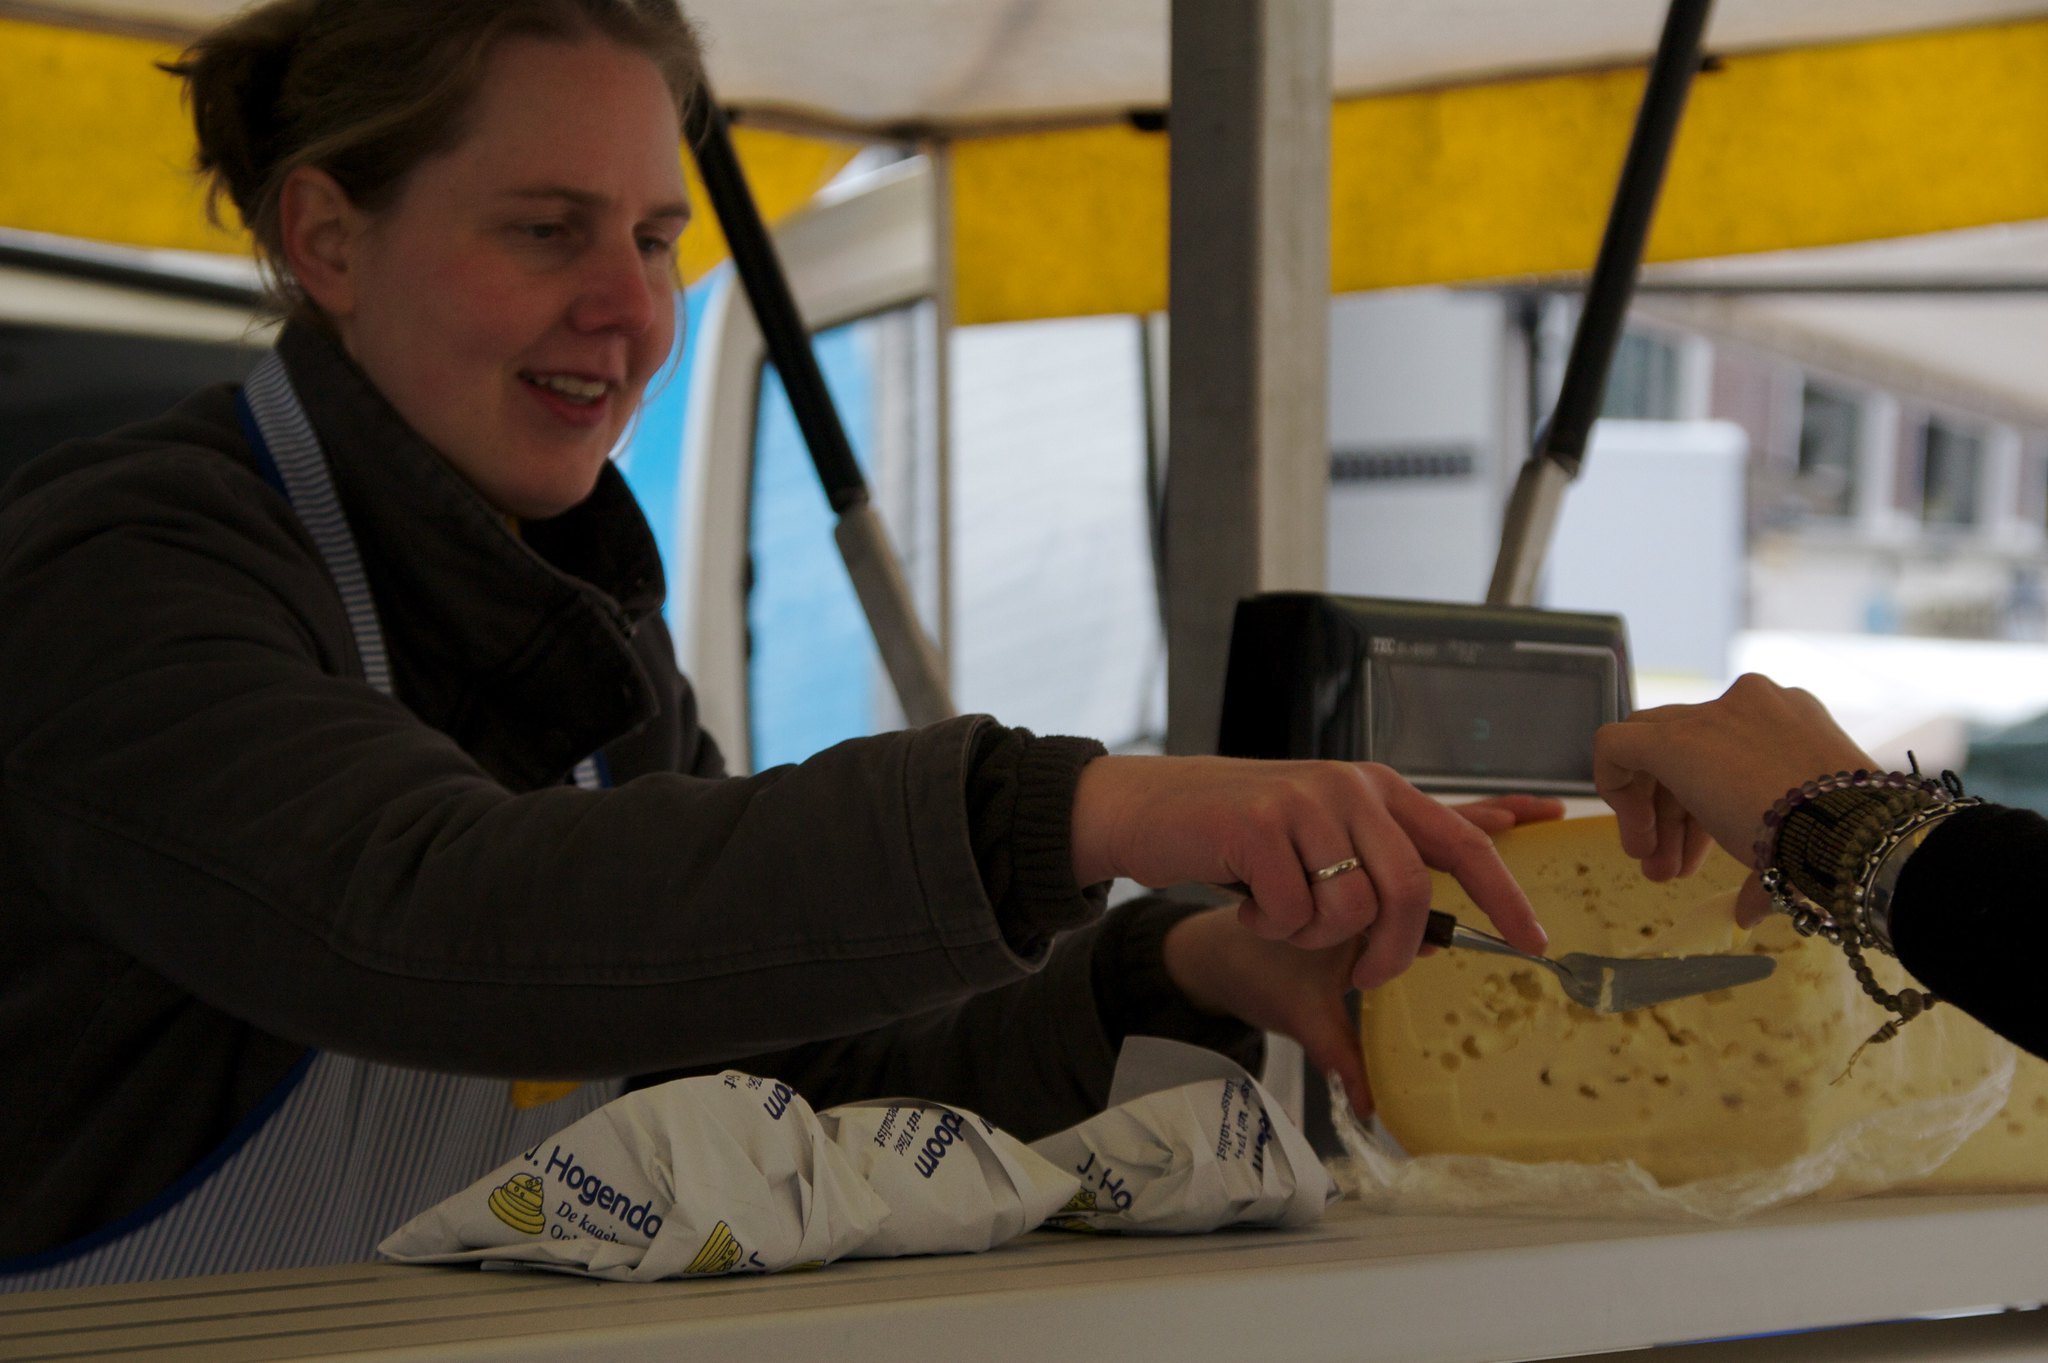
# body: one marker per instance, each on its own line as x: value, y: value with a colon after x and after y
x: 1986, y: 351
x: 954, y: 62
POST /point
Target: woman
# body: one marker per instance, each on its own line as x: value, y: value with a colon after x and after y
x: 1952, y: 887
x: 346, y: 763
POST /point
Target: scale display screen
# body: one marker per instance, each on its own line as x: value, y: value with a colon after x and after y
x: 1497, y: 716
x: 1455, y: 697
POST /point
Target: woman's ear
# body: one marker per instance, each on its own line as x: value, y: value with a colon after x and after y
x: 320, y: 228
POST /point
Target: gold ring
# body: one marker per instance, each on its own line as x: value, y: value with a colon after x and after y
x: 1334, y: 869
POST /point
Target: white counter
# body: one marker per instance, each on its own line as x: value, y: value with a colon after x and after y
x: 1359, y: 1287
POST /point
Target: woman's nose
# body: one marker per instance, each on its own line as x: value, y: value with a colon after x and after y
x: 620, y: 291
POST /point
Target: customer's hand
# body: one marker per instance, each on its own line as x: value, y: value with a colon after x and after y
x: 1224, y: 968
x: 1270, y: 825
x: 1681, y: 777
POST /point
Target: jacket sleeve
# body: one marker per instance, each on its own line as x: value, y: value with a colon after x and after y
x: 192, y: 775
x: 1034, y: 1056
x: 1968, y: 919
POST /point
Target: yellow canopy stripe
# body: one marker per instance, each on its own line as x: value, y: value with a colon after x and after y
x: 98, y: 146
x: 1805, y: 147
x: 1813, y: 146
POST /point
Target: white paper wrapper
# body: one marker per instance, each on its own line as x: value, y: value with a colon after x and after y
x: 1190, y: 1143
x: 723, y: 1174
x: 953, y: 1183
x: 736, y: 1174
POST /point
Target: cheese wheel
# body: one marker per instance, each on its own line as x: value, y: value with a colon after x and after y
x: 1480, y: 1054
x: 2010, y: 1152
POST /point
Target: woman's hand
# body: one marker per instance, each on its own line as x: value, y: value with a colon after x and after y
x: 1680, y: 777
x: 1225, y: 968
x: 1270, y: 825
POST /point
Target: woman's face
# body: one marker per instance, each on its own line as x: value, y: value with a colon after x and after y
x: 514, y: 300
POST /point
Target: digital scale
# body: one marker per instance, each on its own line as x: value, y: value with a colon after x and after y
x: 1454, y: 697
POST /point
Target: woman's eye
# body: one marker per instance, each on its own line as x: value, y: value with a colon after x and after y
x: 541, y: 231
x: 656, y: 247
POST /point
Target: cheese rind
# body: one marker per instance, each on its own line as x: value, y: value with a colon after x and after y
x: 1477, y: 1054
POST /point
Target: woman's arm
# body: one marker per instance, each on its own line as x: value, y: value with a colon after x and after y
x: 192, y: 778
x: 1965, y: 914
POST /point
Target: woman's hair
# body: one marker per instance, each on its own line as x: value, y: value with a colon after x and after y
x: 367, y: 89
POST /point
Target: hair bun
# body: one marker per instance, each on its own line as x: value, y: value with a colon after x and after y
x: 235, y: 79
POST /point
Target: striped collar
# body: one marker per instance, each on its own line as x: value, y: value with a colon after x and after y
x: 518, y: 646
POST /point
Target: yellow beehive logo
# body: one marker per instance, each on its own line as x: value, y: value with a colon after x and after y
x: 1074, y: 1216
x: 517, y: 1202
x: 721, y: 1251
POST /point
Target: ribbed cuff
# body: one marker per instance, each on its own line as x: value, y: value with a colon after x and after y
x: 1021, y: 812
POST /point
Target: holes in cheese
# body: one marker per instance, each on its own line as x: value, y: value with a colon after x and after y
x: 1475, y: 1054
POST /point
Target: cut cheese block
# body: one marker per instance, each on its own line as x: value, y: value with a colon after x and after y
x: 1480, y: 1054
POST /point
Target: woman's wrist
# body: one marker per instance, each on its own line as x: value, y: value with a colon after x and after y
x: 1883, y: 887
x: 1098, y: 794
x: 1832, y: 799
x: 1841, y: 842
x: 1142, y: 981
x: 1020, y: 790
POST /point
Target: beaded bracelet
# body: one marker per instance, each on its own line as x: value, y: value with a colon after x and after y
x: 1766, y: 847
x: 1857, y: 910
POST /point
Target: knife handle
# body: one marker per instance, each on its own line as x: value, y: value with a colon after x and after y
x: 1441, y: 932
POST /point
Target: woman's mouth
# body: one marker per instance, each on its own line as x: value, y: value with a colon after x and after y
x: 572, y: 387
x: 576, y: 398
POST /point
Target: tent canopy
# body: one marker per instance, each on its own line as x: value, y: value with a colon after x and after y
x: 1473, y: 139
x: 964, y: 64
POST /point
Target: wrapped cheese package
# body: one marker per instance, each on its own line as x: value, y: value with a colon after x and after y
x: 1504, y: 1095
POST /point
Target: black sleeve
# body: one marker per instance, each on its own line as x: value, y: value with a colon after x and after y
x: 1034, y: 1056
x: 195, y: 778
x: 1967, y: 918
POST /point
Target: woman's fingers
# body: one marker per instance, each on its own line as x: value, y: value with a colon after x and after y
x: 1288, y: 902
x: 1345, y: 898
x: 1268, y: 828
x: 1630, y: 791
x: 1400, y: 882
x: 1280, y: 903
x: 1698, y: 842
x: 1667, y: 857
x: 1443, y: 839
x: 1499, y: 813
x: 1752, y: 903
x: 1330, y: 1040
x: 1272, y: 986
x: 1347, y: 904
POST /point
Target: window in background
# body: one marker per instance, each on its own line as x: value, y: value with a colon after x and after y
x: 1830, y: 435
x: 651, y: 456
x: 814, y: 677
x: 1642, y: 384
x: 1951, y: 472
x: 2034, y: 479
x: 1056, y: 611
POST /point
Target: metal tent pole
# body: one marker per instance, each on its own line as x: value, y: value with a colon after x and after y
x: 907, y: 651
x: 1539, y: 490
x: 1248, y: 301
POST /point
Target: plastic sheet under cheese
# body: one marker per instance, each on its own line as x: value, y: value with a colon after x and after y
x: 1504, y: 1094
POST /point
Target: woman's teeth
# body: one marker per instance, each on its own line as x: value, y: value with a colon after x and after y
x: 574, y: 389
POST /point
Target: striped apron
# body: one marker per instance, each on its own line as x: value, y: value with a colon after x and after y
x: 343, y: 1150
